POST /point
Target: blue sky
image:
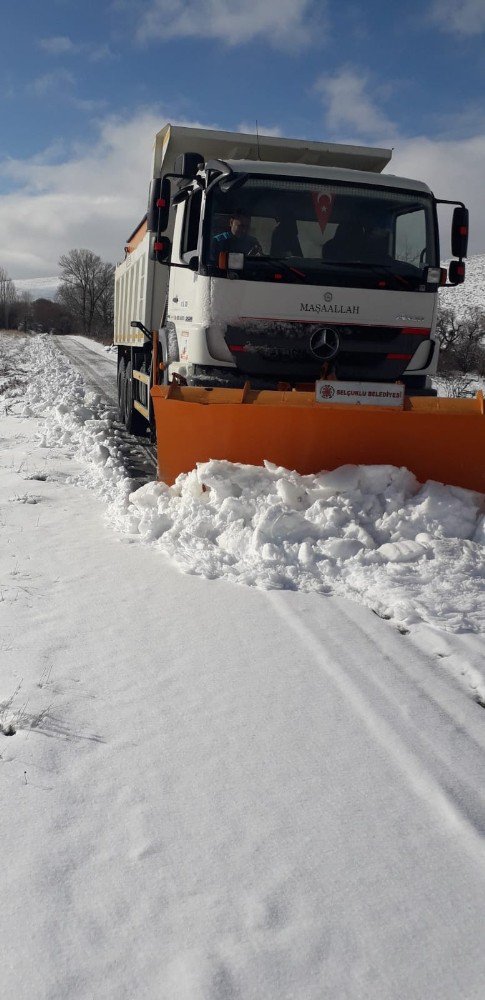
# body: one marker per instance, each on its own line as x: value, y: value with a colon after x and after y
x: 85, y: 85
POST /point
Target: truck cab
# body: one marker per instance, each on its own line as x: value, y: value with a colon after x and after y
x: 283, y: 270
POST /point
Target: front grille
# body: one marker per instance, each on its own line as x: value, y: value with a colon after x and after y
x: 283, y: 350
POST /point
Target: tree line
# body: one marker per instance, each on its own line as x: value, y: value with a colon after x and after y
x: 83, y: 304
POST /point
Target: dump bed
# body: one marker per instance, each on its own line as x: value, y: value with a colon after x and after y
x: 175, y: 139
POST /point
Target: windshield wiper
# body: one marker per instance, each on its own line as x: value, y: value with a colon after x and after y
x: 281, y: 262
x: 375, y: 268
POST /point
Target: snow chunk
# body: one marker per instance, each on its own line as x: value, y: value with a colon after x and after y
x: 403, y: 551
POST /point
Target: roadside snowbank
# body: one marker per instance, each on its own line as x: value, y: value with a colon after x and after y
x: 370, y: 533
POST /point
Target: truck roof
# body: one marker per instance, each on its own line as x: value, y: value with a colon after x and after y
x: 172, y: 140
x: 327, y: 173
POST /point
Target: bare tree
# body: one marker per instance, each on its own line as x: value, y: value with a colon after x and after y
x: 8, y: 296
x: 86, y: 290
x: 23, y: 311
x: 105, y: 307
x: 462, y: 341
x: 447, y: 327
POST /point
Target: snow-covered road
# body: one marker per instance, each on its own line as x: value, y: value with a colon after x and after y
x: 215, y: 791
x: 97, y: 364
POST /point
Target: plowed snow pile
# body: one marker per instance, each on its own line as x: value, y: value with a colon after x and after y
x: 370, y: 533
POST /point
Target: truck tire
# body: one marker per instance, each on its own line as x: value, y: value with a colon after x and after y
x: 121, y: 390
x: 134, y: 422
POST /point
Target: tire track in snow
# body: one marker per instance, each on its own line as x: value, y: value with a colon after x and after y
x: 447, y: 775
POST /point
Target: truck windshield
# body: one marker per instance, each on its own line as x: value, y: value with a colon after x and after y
x: 337, y: 234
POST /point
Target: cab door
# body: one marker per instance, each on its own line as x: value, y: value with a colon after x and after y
x: 187, y: 305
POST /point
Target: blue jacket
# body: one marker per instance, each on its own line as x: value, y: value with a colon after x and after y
x: 232, y: 244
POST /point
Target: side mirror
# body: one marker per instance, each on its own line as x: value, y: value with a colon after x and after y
x: 161, y: 250
x: 459, y: 232
x: 194, y: 264
x: 187, y: 164
x: 456, y: 272
x: 158, y: 205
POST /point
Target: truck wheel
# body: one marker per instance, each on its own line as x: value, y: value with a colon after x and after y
x: 134, y: 422
x: 121, y: 390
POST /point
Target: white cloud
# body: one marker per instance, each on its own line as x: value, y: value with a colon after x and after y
x: 250, y: 127
x: 462, y: 17
x: 51, y: 83
x: 85, y: 104
x: 287, y: 24
x: 60, y: 86
x: 348, y: 104
x: 93, y: 199
x: 58, y: 45
x: 97, y: 53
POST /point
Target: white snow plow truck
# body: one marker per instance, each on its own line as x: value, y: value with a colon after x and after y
x: 278, y: 301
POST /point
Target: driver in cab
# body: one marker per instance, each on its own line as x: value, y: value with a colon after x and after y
x: 236, y: 239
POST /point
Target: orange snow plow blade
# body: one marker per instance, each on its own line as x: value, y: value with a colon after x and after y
x: 437, y: 438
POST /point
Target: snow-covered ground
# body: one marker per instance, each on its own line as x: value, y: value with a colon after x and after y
x: 233, y: 782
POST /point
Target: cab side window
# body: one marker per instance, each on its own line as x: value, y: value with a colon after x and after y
x: 190, y: 232
x: 411, y: 240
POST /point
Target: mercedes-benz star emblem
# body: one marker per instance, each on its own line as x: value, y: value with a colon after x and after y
x: 325, y: 343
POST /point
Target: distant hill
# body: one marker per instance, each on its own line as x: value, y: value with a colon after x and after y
x: 38, y: 288
x: 472, y: 292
